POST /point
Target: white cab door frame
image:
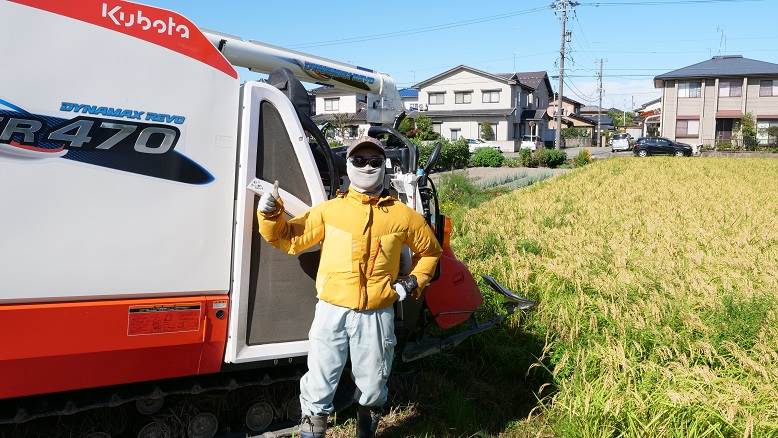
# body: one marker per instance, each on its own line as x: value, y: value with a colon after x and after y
x: 252, y: 96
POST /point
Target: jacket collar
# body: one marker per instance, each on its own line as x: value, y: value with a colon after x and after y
x: 363, y: 198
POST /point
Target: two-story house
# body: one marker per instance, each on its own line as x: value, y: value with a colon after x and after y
x: 463, y: 98
x: 571, y: 114
x: 345, y: 111
x: 650, y: 115
x: 410, y: 97
x: 571, y: 118
x: 704, y: 103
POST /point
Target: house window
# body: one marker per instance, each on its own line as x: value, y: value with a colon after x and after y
x: 690, y: 89
x: 436, y: 127
x: 437, y: 98
x: 761, y: 132
x: 352, y: 131
x: 530, y: 99
x: 768, y: 88
x: 463, y: 96
x: 687, y: 128
x: 413, y: 107
x: 455, y: 134
x: 730, y: 88
x: 490, y: 96
x: 331, y: 104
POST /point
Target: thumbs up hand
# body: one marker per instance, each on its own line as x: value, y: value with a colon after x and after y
x: 268, y: 201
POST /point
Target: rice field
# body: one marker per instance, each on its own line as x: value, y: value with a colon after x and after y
x: 658, y: 284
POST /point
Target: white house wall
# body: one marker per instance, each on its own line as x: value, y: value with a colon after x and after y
x: 464, y: 80
x: 346, y: 104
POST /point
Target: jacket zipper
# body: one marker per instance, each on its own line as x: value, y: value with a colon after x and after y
x: 378, y: 251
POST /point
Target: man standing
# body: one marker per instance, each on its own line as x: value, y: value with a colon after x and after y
x: 362, y: 233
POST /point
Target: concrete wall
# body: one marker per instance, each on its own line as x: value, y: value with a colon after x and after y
x: 760, y: 107
x: 669, y: 109
x: 470, y: 128
x: 708, y: 116
x: 730, y: 103
x: 689, y: 106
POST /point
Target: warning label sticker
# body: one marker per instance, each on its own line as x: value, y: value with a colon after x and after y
x: 163, y: 318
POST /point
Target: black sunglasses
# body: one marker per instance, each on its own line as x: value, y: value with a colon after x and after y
x: 374, y: 162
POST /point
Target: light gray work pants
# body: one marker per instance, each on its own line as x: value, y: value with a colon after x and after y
x: 337, y: 331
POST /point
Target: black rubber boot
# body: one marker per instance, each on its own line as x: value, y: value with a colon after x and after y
x: 313, y: 426
x: 367, y: 421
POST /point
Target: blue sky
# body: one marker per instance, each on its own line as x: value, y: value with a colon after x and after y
x: 637, y: 41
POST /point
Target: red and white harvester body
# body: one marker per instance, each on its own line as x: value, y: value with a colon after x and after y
x: 129, y: 252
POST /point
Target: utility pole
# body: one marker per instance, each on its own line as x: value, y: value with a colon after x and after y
x: 560, y: 92
x: 599, y: 107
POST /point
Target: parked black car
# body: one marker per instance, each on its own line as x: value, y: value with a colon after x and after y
x: 646, y: 146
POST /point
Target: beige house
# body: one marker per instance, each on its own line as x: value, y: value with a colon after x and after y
x: 704, y: 103
x: 571, y: 114
x: 463, y: 98
x: 572, y: 118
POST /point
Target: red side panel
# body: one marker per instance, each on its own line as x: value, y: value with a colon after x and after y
x: 157, y: 26
x: 65, y: 346
x: 454, y: 296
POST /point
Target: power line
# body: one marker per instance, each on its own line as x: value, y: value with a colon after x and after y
x: 580, y: 94
x: 661, y: 3
x: 418, y: 30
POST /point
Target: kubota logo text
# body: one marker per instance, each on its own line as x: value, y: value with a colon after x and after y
x: 129, y: 19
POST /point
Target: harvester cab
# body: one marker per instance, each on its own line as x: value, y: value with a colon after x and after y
x: 134, y: 272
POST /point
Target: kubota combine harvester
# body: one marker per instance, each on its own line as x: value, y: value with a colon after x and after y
x: 134, y: 285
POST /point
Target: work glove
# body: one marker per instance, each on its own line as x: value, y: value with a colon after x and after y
x: 268, y: 201
x: 405, y: 286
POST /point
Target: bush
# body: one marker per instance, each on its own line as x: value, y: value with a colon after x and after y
x: 512, y: 162
x: 487, y: 157
x: 457, y: 188
x: 526, y: 159
x: 406, y: 126
x: 575, y: 133
x: 453, y: 155
x: 550, y: 157
x: 583, y: 158
x: 724, y: 146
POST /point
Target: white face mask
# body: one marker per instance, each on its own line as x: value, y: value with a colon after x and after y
x: 368, y: 180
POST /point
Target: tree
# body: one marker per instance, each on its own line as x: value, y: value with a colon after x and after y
x: 618, y: 118
x: 424, y: 129
x: 772, y: 133
x: 338, y: 126
x: 748, y: 131
x: 486, y: 131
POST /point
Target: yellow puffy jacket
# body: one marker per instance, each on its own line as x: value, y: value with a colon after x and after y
x: 361, y: 239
